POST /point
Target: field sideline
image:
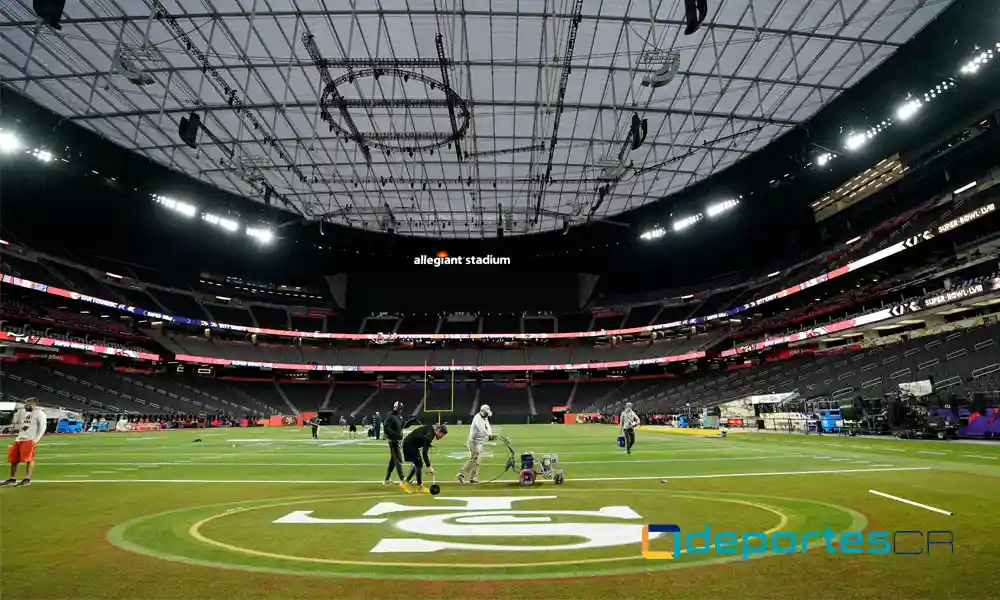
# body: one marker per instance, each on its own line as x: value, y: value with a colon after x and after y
x: 271, y: 513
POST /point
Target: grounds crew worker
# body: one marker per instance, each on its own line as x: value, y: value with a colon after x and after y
x: 415, y: 448
x: 394, y: 434
x: 32, y: 429
x: 629, y: 421
x: 377, y: 422
x: 479, y: 432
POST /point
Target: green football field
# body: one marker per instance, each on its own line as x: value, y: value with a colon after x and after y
x: 271, y: 513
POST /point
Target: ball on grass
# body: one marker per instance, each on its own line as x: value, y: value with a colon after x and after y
x: 435, y: 490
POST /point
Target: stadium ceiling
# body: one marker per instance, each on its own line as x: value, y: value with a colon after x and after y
x: 452, y: 119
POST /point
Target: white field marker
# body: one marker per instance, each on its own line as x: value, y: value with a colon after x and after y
x: 911, y: 503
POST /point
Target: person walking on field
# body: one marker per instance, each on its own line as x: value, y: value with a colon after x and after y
x: 629, y: 421
x: 394, y: 435
x: 479, y: 432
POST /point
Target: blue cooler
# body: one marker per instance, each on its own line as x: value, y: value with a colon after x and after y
x: 621, y: 442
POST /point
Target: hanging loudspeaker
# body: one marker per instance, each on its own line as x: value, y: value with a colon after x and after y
x: 49, y: 11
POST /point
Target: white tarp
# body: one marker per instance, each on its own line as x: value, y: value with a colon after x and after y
x: 917, y: 388
x: 771, y: 398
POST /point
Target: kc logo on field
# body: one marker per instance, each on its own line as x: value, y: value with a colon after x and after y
x: 469, y: 518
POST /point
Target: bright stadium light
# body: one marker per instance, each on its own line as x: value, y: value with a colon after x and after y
x: 653, y: 234
x: 721, y: 207
x: 823, y: 159
x: 965, y: 188
x: 856, y: 140
x: 188, y: 210
x: 908, y: 109
x: 978, y: 61
x: 224, y: 223
x: 9, y: 142
x: 261, y: 234
x: 42, y: 155
x: 686, y: 222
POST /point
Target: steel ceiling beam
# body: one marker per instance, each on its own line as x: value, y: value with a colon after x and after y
x: 506, y: 64
x: 755, y: 32
x: 481, y: 103
x: 569, y: 141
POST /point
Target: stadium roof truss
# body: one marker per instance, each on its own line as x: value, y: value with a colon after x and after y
x: 450, y: 118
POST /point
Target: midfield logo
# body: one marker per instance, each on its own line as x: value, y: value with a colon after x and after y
x: 467, y: 518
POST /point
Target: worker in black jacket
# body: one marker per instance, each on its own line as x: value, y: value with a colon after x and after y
x: 394, y: 434
x: 415, y: 448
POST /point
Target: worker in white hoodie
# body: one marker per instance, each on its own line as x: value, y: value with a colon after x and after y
x: 479, y: 432
x: 23, y: 449
x: 628, y: 421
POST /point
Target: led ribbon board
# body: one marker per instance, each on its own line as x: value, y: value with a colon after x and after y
x: 37, y: 340
x: 383, y: 338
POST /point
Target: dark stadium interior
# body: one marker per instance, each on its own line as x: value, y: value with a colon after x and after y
x: 848, y: 258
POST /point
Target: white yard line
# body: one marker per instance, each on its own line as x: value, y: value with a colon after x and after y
x: 981, y: 456
x: 929, y: 452
x: 368, y: 481
x: 382, y: 463
x: 911, y: 503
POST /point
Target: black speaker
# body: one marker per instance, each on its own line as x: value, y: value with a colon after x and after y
x: 49, y: 11
x: 188, y: 130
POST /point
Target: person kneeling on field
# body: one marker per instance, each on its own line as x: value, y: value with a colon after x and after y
x: 415, y: 448
x: 479, y: 432
x: 23, y: 449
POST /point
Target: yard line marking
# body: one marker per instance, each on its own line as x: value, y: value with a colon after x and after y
x: 881, y: 466
x: 839, y: 459
x: 102, y: 472
x: 929, y: 452
x: 911, y: 503
x: 981, y: 456
x: 377, y: 464
x: 369, y: 481
x: 76, y: 475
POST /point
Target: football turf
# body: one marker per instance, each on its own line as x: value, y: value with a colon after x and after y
x: 270, y: 513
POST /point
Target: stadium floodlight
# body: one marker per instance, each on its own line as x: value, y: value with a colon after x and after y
x: 908, y: 109
x: 686, y: 222
x: 824, y: 158
x: 717, y: 209
x: 652, y: 234
x: 224, y: 223
x: 42, y: 155
x: 856, y: 140
x: 854, y: 240
x: 978, y: 61
x: 263, y: 235
x: 183, y: 208
x: 9, y: 142
x: 965, y: 188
